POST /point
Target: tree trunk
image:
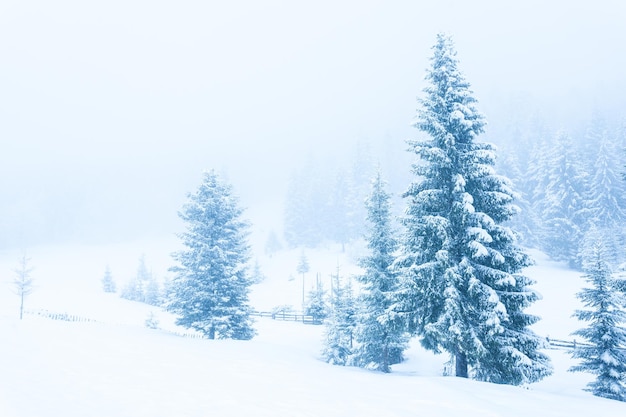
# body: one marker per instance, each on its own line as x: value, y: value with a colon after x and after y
x: 385, y: 364
x: 22, y: 305
x: 461, y: 364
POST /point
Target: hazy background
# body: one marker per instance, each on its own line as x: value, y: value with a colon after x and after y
x: 110, y: 111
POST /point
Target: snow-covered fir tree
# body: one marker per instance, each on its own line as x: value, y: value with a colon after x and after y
x: 316, y: 305
x: 303, y: 264
x: 108, y: 285
x: 463, y: 291
x: 152, y: 292
x: 272, y: 245
x: 564, y: 212
x: 339, y: 334
x: 132, y: 290
x: 302, y: 268
x: 323, y: 202
x: 605, y: 199
x: 296, y: 210
x: 257, y: 276
x: 152, y: 322
x: 606, y: 190
x: 209, y: 291
x: 537, y: 179
x: 595, y: 133
x: 143, y: 287
x: 525, y: 223
x: 361, y: 173
x: 380, y: 335
x: 341, y: 222
x: 306, y: 206
x: 605, y: 356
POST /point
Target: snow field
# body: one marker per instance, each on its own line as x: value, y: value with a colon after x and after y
x: 115, y: 366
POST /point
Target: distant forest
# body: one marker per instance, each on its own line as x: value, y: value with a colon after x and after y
x: 570, y: 186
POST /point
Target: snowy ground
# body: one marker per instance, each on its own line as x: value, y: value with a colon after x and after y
x: 115, y: 366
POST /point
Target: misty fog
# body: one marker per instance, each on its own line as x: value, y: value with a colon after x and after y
x: 110, y: 112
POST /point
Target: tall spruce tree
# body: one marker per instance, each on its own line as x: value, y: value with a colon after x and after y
x: 209, y: 291
x: 380, y: 334
x: 605, y: 355
x: 463, y: 291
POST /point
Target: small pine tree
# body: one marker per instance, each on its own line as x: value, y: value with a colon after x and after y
x: 209, y: 291
x: 152, y: 292
x: 132, y: 290
x: 152, y: 322
x: 303, y: 268
x: 23, y: 284
x: 143, y: 287
x: 257, y: 275
x: 108, y: 285
x: 304, y: 207
x: 605, y: 356
x: 272, y: 245
x: 135, y: 288
x: 303, y: 264
x: 380, y: 335
x: 339, y: 335
x: 316, y: 305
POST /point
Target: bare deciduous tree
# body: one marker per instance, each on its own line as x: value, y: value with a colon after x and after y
x: 23, y: 282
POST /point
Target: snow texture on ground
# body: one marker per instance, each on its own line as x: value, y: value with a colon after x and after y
x: 115, y: 366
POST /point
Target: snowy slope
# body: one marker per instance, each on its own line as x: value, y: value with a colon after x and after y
x: 558, y: 286
x: 115, y: 366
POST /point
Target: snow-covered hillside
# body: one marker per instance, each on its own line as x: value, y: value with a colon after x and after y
x: 115, y: 366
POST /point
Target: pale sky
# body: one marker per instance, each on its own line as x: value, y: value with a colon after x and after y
x: 110, y: 110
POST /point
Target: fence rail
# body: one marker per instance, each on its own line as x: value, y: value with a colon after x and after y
x: 281, y: 315
x: 80, y: 319
x: 571, y: 344
x: 59, y: 316
x: 567, y: 344
x: 284, y: 316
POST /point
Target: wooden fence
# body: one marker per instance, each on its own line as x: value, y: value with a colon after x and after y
x: 59, y: 316
x: 188, y: 335
x: 567, y: 344
x: 571, y: 344
x: 284, y: 316
x: 281, y: 315
x: 75, y: 318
